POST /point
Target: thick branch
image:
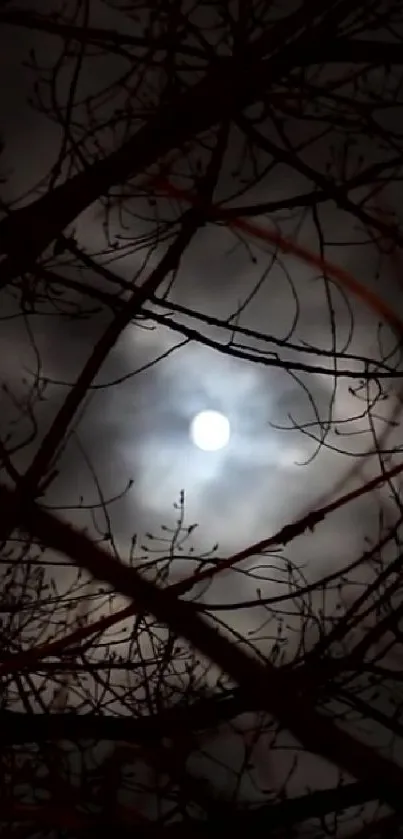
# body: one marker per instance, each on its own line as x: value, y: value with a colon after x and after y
x: 265, y: 684
x: 259, y: 822
x: 226, y: 88
x: 109, y: 39
x: 342, y: 50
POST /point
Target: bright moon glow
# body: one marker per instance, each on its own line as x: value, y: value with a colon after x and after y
x: 210, y: 431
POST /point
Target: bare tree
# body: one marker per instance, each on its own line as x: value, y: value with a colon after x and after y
x: 149, y: 682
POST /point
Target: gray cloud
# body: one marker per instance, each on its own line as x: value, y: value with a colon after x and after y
x: 139, y: 429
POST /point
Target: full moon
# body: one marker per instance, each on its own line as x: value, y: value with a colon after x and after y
x: 210, y: 431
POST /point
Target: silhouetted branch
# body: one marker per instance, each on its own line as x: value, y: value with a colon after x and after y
x: 267, y: 684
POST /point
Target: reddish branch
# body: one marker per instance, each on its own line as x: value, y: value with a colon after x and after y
x: 283, y: 537
x: 289, y: 531
x: 259, y: 821
x: 263, y: 683
x: 290, y: 246
x: 226, y: 87
x: 28, y: 485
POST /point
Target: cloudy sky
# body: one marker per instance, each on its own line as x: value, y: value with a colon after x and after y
x: 138, y: 429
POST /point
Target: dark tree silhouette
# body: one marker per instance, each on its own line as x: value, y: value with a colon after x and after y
x: 133, y: 697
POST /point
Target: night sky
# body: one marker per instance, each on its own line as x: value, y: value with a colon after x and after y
x: 134, y: 427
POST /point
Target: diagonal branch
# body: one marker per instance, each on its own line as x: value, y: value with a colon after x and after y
x: 284, y: 536
x: 328, y: 186
x: 259, y: 822
x: 290, y: 531
x: 226, y: 88
x: 109, y: 39
x: 28, y: 485
x: 342, y: 50
x: 317, y: 196
x: 264, y: 684
x: 271, y: 359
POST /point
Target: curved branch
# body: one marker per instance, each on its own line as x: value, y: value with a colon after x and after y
x: 264, y: 684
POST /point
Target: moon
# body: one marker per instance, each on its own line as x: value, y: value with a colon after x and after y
x: 210, y: 431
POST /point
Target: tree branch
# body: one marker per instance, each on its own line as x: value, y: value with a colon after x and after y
x: 265, y: 684
x: 225, y: 88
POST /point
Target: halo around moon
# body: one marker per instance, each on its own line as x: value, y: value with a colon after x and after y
x: 210, y: 431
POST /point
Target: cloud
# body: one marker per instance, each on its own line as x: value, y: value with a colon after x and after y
x: 139, y: 429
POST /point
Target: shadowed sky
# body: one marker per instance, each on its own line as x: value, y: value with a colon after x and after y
x: 138, y: 430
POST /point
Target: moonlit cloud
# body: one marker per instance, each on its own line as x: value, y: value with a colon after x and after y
x: 137, y: 429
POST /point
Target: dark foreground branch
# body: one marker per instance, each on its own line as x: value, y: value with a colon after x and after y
x: 264, y: 683
x: 17, y: 728
x: 259, y: 822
